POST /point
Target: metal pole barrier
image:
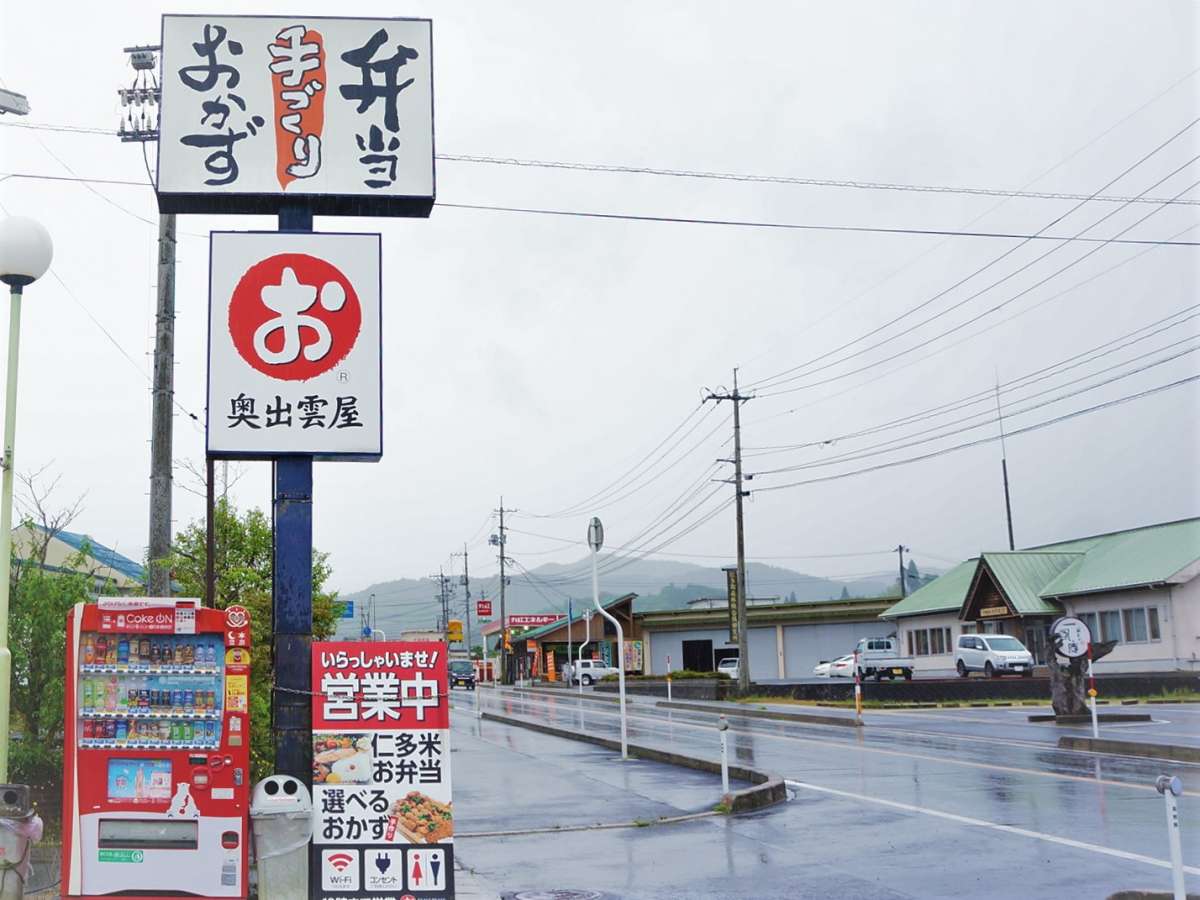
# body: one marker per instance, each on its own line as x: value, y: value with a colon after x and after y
x: 668, y: 678
x: 620, y: 654
x: 1092, y: 695
x: 723, y: 727
x: 578, y: 673
x: 1171, y: 787
x: 857, y: 691
x: 478, y: 710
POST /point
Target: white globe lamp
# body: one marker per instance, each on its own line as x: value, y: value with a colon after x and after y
x: 25, y: 251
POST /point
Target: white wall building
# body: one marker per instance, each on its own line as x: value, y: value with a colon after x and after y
x: 1138, y: 587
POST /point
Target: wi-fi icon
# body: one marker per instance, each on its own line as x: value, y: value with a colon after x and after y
x: 340, y: 860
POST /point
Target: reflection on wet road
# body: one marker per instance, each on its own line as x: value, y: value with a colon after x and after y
x: 1025, y: 812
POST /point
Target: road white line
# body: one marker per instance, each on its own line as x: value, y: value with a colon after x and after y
x: 995, y: 826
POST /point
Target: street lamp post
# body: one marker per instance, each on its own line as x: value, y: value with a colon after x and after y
x: 25, y: 253
x: 596, y: 541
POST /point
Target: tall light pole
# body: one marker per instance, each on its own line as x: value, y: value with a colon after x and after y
x: 25, y: 253
x: 596, y: 541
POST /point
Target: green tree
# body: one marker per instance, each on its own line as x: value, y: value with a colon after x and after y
x: 39, y: 599
x: 243, y: 568
x: 39, y: 602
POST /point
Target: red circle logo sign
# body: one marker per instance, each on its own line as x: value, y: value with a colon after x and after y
x: 294, y: 316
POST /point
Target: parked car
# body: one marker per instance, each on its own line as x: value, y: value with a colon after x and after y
x: 880, y: 657
x: 824, y: 669
x: 462, y: 671
x: 589, y: 671
x: 992, y: 654
x: 729, y: 666
x: 842, y: 667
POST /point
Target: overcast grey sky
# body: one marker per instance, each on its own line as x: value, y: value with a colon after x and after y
x: 540, y: 357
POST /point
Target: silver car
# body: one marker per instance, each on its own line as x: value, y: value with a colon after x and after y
x: 992, y: 654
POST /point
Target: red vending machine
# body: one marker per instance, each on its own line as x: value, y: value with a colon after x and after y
x: 156, y: 766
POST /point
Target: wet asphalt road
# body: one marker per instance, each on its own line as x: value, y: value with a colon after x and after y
x: 909, y: 808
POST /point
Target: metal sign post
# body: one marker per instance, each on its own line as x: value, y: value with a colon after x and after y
x: 1171, y: 789
x: 723, y: 727
x: 596, y: 541
x: 1092, y: 695
x: 668, y: 678
x: 857, y: 690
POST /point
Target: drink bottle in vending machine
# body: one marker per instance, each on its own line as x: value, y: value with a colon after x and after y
x: 156, y: 768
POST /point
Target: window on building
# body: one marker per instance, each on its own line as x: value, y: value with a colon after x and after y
x: 1135, y: 625
x: 968, y: 628
x: 1110, y: 625
x: 1152, y: 615
x: 930, y: 641
x: 1092, y: 622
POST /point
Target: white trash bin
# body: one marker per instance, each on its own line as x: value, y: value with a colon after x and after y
x: 281, y: 812
x: 19, y: 830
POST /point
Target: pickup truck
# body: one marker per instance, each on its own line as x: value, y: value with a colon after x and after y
x: 881, y: 658
x: 590, y: 670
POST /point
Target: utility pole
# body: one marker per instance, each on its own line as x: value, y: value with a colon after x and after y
x: 901, y: 549
x: 466, y: 583
x: 139, y: 124
x: 499, y: 541
x: 1004, y: 468
x: 740, y: 613
x: 443, y: 602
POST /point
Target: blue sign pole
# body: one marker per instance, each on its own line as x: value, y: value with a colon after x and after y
x: 292, y: 587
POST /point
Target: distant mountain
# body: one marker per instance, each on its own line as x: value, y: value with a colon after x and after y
x: 412, y: 603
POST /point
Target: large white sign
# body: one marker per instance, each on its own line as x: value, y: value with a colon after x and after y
x: 294, y: 345
x: 256, y: 110
x: 1074, y: 637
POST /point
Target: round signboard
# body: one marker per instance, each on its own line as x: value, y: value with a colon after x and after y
x: 1074, y: 637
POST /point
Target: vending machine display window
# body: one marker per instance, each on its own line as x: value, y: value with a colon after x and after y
x: 139, y: 780
x: 150, y: 691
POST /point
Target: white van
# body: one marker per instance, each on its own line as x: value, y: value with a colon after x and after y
x: 992, y: 654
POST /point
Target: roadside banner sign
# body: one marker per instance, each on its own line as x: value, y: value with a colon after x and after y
x: 1074, y: 637
x: 483, y: 609
x: 383, y: 820
x: 294, y: 346
x: 533, y: 620
x: 257, y: 110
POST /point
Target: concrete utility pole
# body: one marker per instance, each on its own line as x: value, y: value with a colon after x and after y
x: 740, y: 613
x: 139, y: 124
x: 161, y: 416
x: 465, y: 581
x: 499, y: 541
x: 900, y: 548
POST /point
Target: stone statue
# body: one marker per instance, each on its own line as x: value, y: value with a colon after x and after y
x: 1068, y: 680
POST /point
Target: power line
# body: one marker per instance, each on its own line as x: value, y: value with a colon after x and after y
x: 986, y: 440
x: 804, y: 226
x: 923, y: 437
x: 940, y: 350
x: 1014, y: 384
x: 960, y: 325
x: 744, y: 177
x: 731, y: 223
x: 774, y: 380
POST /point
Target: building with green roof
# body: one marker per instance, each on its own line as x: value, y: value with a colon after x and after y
x: 1138, y: 587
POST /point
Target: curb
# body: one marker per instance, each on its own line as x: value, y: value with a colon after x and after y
x: 1086, y: 718
x: 767, y: 789
x: 1131, y: 748
x: 750, y: 712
